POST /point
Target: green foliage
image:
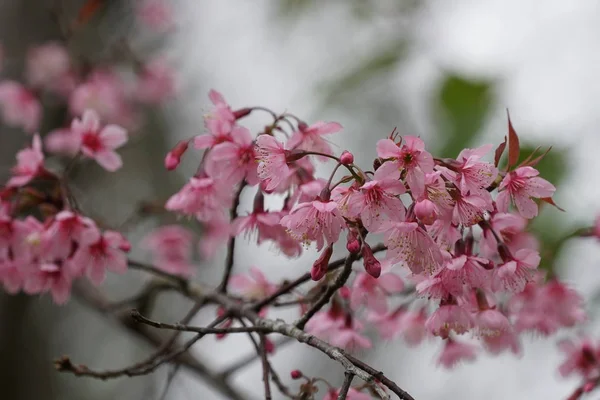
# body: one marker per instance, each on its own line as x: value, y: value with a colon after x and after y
x: 463, y: 105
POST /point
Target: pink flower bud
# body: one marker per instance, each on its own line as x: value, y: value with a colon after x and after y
x: 588, y: 387
x: 372, y: 266
x: 302, y: 125
x: 353, y: 244
x: 425, y: 211
x: 345, y: 292
x: 347, y: 158
x: 296, y: 374
x: 319, y: 268
x: 269, y: 346
x: 173, y: 158
x: 241, y: 113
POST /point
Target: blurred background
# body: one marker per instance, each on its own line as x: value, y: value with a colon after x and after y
x: 443, y: 70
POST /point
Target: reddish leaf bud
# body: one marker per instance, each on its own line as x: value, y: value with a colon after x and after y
x: 372, y: 266
x: 347, y: 158
x: 319, y: 268
x: 296, y: 374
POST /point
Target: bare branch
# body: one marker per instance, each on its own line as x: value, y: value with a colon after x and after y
x: 229, y: 259
x: 265, y: 366
x: 346, y: 386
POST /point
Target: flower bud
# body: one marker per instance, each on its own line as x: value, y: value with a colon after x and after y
x: 302, y: 125
x: 347, y: 158
x: 269, y: 346
x: 425, y: 211
x: 352, y: 244
x: 372, y: 266
x: 296, y: 374
x: 345, y: 292
x: 319, y: 268
x: 173, y: 157
x: 241, y: 113
x: 376, y: 164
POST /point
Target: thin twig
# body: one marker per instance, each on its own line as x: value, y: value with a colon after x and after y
x: 340, y: 280
x: 249, y: 359
x: 265, y: 366
x: 229, y: 259
x: 346, y: 386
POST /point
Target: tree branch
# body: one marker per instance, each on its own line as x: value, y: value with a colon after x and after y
x: 265, y: 366
x: 229, y: 259
x: 346, y: 386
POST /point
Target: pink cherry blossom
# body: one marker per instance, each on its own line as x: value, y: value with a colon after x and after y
x: 520, y: 186
x: 377, y: 198
x: 236, y: 160
x: 348, y: 337
x: 471, y: 175
x: 66, y: 229
x: 455, y: 352
x: 105, y: 254
x: 63, y: 141
x: 318, y: 221
x: 50, y: 277
x: 216, y: 233
x: 99, y: 144
x: 468, y: 210
x: 581, y: 357
x: 511, y: 229
x: 490, y: 323
x: 409, y: 244
x: 449, y: 318
x: 513, y: 275
x: 20, y: 107
x: 372, y: 292
x: 156, y: 82
x: 219, y: 123
x: 273, y: 167
x: 389, y: 325
x: 203, y: 197
x: 310, y: 137
x: 410, y: 156
x: 48, y: 67
x: 253, y: 286
x: 171, y: 248
x: 30, y: 162
x: 504, y: 340
x: 459, y: 273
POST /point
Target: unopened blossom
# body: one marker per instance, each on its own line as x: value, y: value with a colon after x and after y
x: 19, y: 106
x: 455, y: 352
x: 273, y: 167
x: 204, y: 198
x: 100, y: 143
x: 30, y: 162
x: 171, y: 247
x: 513, y: 275
x: 410, y: 155
x: 409, y: 244
x: 370, y: 262
x: 253, y: 286
x: 377, y: 199
x: 234, y: 161
x: 310, y: 138
x: 520, y: 187
x: 105, y: 254
x: 469, y: 173
x: 318, y: 221
x: 48, y: 66
x: 319, y: 267
x: 449, y: 318
x: 173, y: 157
x: 373, y: 292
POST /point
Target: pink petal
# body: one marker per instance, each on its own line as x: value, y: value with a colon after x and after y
x: 113, y: 136
x: 109, y: 160
x: 386, y: 148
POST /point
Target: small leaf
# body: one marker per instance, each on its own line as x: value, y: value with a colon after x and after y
x: 550, y: 201
x: 536, y: 160
x: 499, y: 152
x: 513, y: 145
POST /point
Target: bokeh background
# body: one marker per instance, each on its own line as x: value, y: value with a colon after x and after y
x: 444, y: 70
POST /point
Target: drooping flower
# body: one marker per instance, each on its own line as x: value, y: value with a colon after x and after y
x: 373, y: 292
x: 171, y: 248
x: 62, y: 141
x: 273, y: 167
x: 219, y: 123
x: 520, y: 186
x: 30, y: 161
x: 106, y: 254
x: 449, y: 318
x: 581, y: 357
x: 511, y: 228
x: 100, y: 143
x: 459, y: 273
x: 411, y: 156
x: 204, y: 198
x: 469, y: 173
x: 513, y: 275
x: 310, y: 137
x: 318, y: 221
x: 253, y: 286
x: 455, y: 352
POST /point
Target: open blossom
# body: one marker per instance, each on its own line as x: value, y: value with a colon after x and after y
x: 310, y: 138
x: 203, y: 197
x: 458, y: 274
x: 100, y: 143
x: 373, y: 292
x: 234, y: 161
x: 377, y: 198
x: 470, y: 174
x: 253, y: 286
x: 581, y: 357
x: 219, y: 123
x: 410, y: 156
x: 511, y: 228
x: 273, y: 167
x: 68, y: 228
x: 318, y: 221
x: 468, y: 210
x: 20, y: 107
x: 50, y: 277
x: 264, y: 223
x: 30, y: 162
x: 449, y: 318
x: 409, y: 244
x: 491, y: 323
x: 520, y: 186
x: 513, y: 275
x: 171, y: 248
x: 108, y: 253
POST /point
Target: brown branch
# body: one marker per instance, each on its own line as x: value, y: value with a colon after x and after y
x: 249, y: 359
x: 265, y: 366
x: 229, y: 259
x: 346, y: 386
x: 340, y: 280
x: 93, y: 298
